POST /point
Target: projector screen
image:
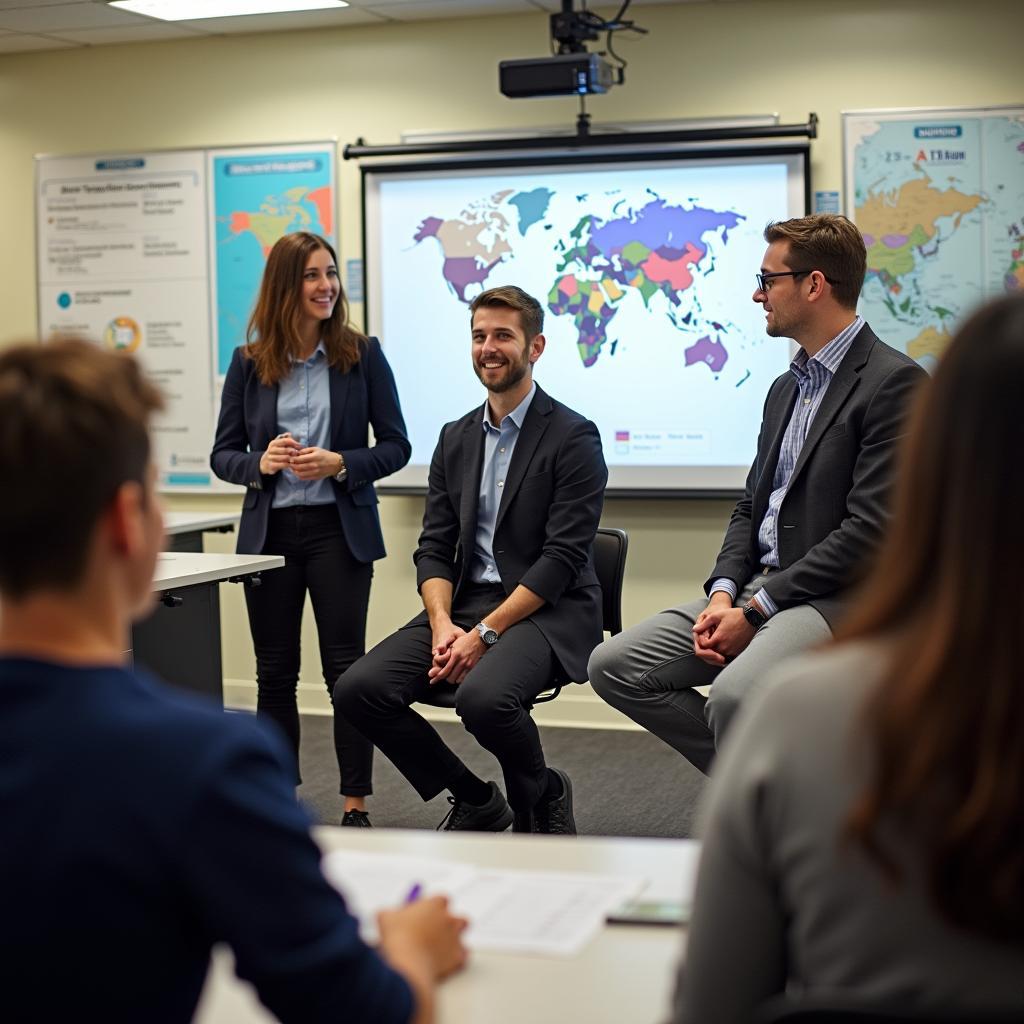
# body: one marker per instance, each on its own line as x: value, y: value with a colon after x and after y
x: 644, y: 266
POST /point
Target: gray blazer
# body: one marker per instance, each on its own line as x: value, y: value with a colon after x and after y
x: 783, y: 904
x: 834, y: 512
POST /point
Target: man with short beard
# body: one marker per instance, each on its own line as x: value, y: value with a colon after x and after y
x: 505, y: 571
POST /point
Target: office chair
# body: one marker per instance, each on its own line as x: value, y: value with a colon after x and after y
x: 610, y: 546
x: 849, y: 1011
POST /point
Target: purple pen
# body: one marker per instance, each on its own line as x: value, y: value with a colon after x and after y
x: 414, y: 893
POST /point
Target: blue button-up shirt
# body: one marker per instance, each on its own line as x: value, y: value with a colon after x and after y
x: 813, y: 375
x: 304, y: 411
x: 499, y: 444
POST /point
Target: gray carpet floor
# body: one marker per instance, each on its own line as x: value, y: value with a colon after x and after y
x: 624, y: 783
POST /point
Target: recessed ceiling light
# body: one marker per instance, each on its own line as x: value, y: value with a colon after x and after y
x: 194, y: 10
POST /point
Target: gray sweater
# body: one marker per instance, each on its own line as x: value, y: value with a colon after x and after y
x: 781, y: 905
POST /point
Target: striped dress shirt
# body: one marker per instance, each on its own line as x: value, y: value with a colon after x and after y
x: 813, y: 376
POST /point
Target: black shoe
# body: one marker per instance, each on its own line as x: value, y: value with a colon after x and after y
x: 493, y: 816
x: 356, y: 819
x: 522, y: 821
x: 555, y: 816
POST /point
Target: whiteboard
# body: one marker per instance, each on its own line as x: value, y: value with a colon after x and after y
x: 161, y: 254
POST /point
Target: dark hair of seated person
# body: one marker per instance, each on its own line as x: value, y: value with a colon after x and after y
x: 946, y: 721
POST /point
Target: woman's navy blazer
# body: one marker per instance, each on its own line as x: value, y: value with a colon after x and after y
x: 364, y: 396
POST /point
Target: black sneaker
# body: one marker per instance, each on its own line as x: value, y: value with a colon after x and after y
x: 555, y: 817
x: 493, y: 816
x: 356, y: 819
x: 522, y: 821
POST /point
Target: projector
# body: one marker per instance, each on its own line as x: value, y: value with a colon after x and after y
x: 568, y: 74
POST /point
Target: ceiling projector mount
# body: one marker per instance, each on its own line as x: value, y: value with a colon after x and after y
x: 571, y: 70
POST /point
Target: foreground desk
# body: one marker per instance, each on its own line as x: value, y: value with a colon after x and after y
x: 180, y: 641
x: 625, y: 974
x: 184, y: 530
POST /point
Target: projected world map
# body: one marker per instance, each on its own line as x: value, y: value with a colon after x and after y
x: 644, y: 270
x: 657, y: 249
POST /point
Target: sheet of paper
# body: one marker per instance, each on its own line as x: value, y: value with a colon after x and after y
x: 371, y: 882
x: 537, y: 912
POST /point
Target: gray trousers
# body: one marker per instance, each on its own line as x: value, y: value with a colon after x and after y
x: 648, y: 672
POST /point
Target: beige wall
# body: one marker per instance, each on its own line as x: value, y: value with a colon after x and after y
x: 789, y: 56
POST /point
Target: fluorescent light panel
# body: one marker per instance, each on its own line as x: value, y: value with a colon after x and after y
x: 195, y: 10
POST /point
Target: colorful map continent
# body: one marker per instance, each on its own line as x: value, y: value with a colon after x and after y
x: 655, y: 250
x: 932, y: 341
x: 1015, y: 271
x: 476, y: 241
x: 900, y: 225
x: 297, y: 209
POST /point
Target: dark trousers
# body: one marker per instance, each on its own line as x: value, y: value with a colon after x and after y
x: 317, y: 560
x: 493, y: 702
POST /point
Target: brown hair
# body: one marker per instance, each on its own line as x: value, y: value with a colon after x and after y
x: 827, y: 242
x: 74, y: 428
x: 531, y: 314
x: 947, y: 720
x: 272, y: 335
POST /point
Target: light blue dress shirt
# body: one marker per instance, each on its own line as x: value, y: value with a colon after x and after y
x: 304, y: 411
x: 499, y: 444
x: 813, y: 376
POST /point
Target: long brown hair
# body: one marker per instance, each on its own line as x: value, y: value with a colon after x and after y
x: 273, y: 338
x: 947, y: 719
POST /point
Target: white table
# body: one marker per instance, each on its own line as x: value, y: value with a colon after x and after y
x: 180, y: 640
x: 625, y: 975
x: 184, y: 530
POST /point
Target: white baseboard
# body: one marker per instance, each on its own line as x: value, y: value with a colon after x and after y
x: 576, y: 707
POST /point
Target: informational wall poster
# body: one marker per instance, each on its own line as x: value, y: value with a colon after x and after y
x: 150, y: 253
x: 939, y: 196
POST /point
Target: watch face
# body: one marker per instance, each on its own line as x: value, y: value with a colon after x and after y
x: 489, y: 636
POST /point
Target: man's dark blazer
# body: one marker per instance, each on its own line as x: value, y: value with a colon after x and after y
x: 835, y: 510
x: 248, y: 423
x: 543, y: 537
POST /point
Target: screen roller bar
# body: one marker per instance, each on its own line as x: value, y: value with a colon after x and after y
x: 359, y: 149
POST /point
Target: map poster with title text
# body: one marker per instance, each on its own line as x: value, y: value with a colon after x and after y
x: 939, y: 197
x: 161, y: 254
x: 258, y: 195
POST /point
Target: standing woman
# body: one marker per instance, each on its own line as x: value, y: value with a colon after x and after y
x: 299, y: 399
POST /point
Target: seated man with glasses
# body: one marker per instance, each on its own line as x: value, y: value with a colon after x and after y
x: 813, y: 510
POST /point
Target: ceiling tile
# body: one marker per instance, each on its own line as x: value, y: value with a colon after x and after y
x: 416, y: 10
x: 52, y: 18
x: 293, y: 21
x: 6, y: 5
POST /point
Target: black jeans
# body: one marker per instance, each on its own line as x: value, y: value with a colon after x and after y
x: 317, y: 559
x: 493, y: 702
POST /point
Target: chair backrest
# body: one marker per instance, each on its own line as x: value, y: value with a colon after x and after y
x: 849, y: 1011
x: 610, y: 545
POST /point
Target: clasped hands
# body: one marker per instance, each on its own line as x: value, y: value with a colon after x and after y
x: 455, y: 652
x: 284, y: 452
x: 721, y: 631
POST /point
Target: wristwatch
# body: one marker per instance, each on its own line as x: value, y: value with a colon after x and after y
x: 343, y: 472
x: 488, y: 635
x: 754, y: 615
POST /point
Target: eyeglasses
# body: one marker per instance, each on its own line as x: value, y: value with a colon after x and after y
x: 764, y: 280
